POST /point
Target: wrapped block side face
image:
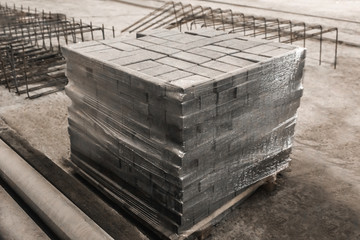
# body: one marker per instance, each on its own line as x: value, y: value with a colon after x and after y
x: 174, y: 125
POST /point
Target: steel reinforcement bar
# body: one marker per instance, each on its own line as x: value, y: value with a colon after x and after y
x: 188, y: 17
x: 30, y: 58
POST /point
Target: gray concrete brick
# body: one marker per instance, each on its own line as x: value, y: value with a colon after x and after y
x: 152, y: 32
x: 93, y: 48
x: 163, y: 33
x: 183, y: 38
x: 235, y: 61
x: 172, y: 36
x: 190, y: 106
x: 253, y: 39
x: 260, y: 49
x: 240, y: 78
x: 140, y: 66
x: 191, y: 38
x: 204, y: 71
x: 109, y: 41
x: 177, y: 74
x: 190, y: 57
x: 184, y: 108
x: 223, y: 84
x: 226, y: 96
x: 152, y: 39
x: 150, y: 87
x: 138, y: 43
x: 122, y: 37
x: 190, y: 81
x: 282, y: 45
x: 220, y: 66
x: 109, y: 54
x: 207, y: 53
x: 207, y: 32
x: 191, y: 45
x: 178, y: 46
x: 138, y: 56
x: 83, y: 44
x: 221, y: 49
x: 161, y: 69
x: 276, y: 52
x: 237, y: 44
x: 180, y: 64
x: 225, y: 37
x: 250, y: 57
x: 200, y: 43
x: 208, y: 100
x: 162, y: 49
x: 122, y: 46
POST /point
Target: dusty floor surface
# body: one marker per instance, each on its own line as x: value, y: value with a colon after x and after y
x: 319, y: 198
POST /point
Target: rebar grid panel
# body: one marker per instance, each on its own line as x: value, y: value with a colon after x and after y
x: 188, y: 17
x: 30, y: 58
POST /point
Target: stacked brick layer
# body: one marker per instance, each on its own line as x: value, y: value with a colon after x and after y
x: 183, y: 121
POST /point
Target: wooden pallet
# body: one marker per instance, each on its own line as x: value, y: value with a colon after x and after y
x: 200, y: 230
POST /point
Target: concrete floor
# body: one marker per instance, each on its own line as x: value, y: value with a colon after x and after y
x: 319, y: 198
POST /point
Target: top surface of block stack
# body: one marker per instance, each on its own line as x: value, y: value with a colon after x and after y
x: 183, y: 61
x: 185, y: 121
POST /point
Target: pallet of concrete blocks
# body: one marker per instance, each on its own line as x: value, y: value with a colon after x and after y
x: 174, y: 125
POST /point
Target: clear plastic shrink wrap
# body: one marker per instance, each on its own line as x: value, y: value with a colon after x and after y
x: 177, y: 124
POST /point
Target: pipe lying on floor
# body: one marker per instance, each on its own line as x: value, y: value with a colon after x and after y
x: 15, y: 223
x: 58, y: 212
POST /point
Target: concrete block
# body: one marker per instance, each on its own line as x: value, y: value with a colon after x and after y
x: 235, y: 61
x: 140, y: 66
x: 84, y: 44
x: 174, y: 75
x: 93, y: 48
x: 190, y: 57
x: 206, y: 32
x: 220, y: 66
x: 138, y: 56
x: 138, y: 43
x: 275, y: 52
x: 221, y: 49
x: 260, y: 49
x: 158, y: 70
x: 162, y: 49
x: 109, y: 54
x: 122, y: 46
x: 153, y: 40
x: 207, y: 53
x: 180, y: 64
x: 190, y: 81
x: 237, y: 44
x: 183, y: 38
x: 250, y: 57
x: 204, y: 71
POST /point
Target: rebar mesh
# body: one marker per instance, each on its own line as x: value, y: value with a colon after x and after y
x: 188, y: 17
x: 30, y: 56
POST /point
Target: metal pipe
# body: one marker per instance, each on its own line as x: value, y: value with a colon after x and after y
x: 57, y: 211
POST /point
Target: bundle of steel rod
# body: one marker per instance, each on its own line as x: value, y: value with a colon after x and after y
x: 30, y: 56
x: 188, y: 17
